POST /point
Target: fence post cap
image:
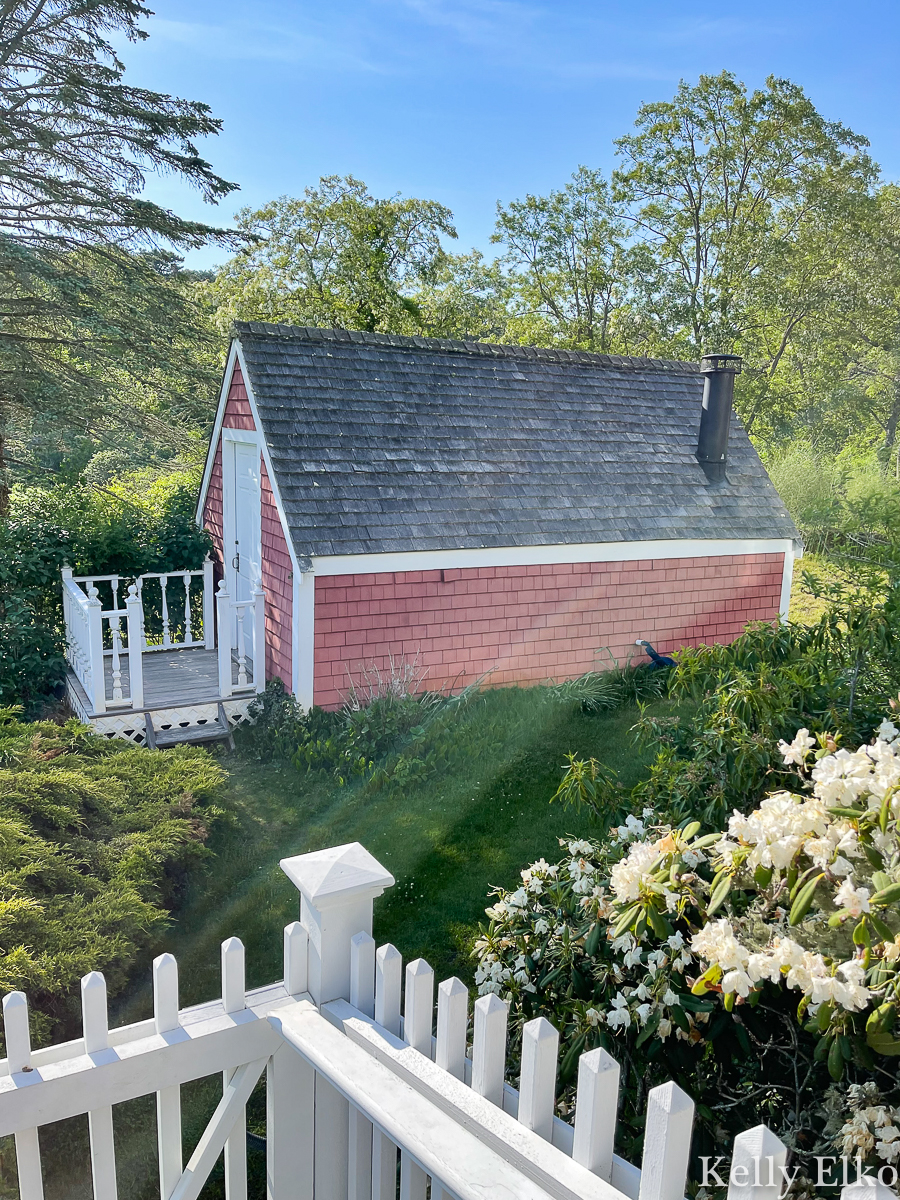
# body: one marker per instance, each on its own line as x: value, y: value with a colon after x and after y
x: 329, y: 877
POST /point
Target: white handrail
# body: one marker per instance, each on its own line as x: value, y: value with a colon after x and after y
x: 99, y: 640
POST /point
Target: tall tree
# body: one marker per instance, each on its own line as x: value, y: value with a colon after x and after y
x: 86, y: 313
x: 570, y: 266
x: 335, y: 256
x: 742, y: 198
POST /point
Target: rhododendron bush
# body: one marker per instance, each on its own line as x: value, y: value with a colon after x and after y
x: 758, y: 965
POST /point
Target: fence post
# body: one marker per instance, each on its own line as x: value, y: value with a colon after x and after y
x: 135, y: 625
x: 95, y: 642
x: 259, y: 640
x: 337, y: 890
x: 209, y: 622
x: 223, y: 622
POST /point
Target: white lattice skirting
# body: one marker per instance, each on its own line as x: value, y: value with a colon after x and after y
x: 131, y: 726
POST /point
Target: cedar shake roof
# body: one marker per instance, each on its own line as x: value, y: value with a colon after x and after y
x: 386, y: 443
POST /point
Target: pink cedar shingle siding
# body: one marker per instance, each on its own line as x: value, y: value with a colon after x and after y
x: 527, y: 624
x: 276, y: 560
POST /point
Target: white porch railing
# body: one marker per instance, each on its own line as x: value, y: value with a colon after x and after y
x: 242, y: 642
x: 351, y: 1084
x: 102, y: 642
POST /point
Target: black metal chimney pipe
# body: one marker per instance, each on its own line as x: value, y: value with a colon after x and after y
x: 718, y: 372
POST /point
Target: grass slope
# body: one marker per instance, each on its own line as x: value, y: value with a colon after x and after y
x: 447, y: 840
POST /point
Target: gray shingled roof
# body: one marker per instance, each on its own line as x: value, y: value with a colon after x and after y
x: 384, y: 443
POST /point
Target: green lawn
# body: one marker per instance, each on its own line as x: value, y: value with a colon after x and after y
x: 446, y: 840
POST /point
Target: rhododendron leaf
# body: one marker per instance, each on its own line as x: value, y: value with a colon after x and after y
x: 799, y: 883
x: 763, y: 876
x: 626, y: 920
x: 883, y: 1043
x: 875, y: 859
x: 881, y: 881
x: 851, y: 813
x: 839, y: 917
x: 823, y: 1047
x: 658, y: 923
x: 846, y: 1047
x: 649, y: 1029
x: 884, y: 931
x: 888, y: 895
x: 823, y: 1016
x: 729, y: 1000
x: 861, y: 935
x: 694, y: 1004
x: 679, y: 1016
x: 720, y: 892
x: 570, y: 1061
x: 803, y: 903
x: 882, y: 1020
x: 592, y: 941
x: 885, y: 815
x: 835, y: 1061
x: 708, y: 839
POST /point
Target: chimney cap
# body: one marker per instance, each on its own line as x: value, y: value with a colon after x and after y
x: 711, y: 363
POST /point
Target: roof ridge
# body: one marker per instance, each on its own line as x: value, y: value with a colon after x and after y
x: 310, y: 333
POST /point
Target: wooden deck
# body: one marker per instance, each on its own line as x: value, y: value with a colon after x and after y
x: 172, y: 678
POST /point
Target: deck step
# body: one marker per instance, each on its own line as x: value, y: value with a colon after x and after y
x: 193, y: 735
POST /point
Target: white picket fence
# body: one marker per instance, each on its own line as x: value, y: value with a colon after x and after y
x: 362, y: 1103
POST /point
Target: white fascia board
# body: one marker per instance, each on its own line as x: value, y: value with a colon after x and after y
x: 217, y: 429
x: 267, y: 458
x: 538, y: 556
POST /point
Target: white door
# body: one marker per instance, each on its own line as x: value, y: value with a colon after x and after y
x: 242, y: 532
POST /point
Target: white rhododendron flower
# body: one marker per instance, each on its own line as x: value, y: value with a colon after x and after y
x: 799, y: 749
x: 855, y: 900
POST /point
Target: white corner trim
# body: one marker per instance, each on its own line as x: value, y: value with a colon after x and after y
x: 216, y: 431
x: 792, y: 555
x: 538, y: 556
x: 303, y: 640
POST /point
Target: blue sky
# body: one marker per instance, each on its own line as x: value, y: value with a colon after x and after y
x: 474, y: 101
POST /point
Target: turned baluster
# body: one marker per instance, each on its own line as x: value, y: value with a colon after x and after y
x: 115, y: 630
x: 240, y: 609
x: 188, y: 634
x: 166, y: 639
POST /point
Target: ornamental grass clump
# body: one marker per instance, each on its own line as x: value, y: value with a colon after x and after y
x: 758, y: 965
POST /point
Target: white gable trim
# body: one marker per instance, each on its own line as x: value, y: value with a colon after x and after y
x: 538, y: 556
x: 216, y: 431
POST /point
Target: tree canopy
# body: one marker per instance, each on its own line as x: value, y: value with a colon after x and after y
x: 92, y: 315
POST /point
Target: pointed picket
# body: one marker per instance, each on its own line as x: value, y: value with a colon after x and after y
x: 18, y: 1051
x: 489, y: 1048
x: 388, y: 981
x: 596, y: 1106
x: 667, y: 1143
x: 452, y: 1027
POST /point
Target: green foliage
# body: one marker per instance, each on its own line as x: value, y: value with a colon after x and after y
x: 139, y: 524
x: 95, y: 317
x: 95, y: 839
x: 616, y: 687
x: 338, y: 256
x: 737, y: 701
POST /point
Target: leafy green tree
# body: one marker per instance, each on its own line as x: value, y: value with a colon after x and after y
x: 335, y: 256
x: 465, y: 298
x: 89, y: 312
x: 571, y: 268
